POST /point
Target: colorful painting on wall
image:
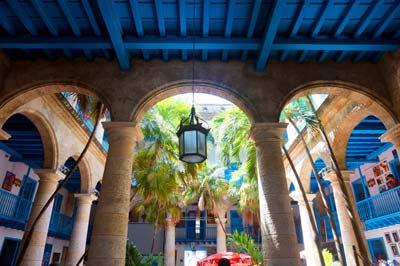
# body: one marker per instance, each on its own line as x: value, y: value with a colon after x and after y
x: 379, y: 178
x: 8, y: 181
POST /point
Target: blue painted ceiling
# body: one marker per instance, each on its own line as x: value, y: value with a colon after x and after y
x: 225, y: 29
x: 25, y: 144
x: 364, y: 144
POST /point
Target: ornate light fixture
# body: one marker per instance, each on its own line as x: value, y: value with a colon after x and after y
x: 191, y: 133
x: 192, y: 139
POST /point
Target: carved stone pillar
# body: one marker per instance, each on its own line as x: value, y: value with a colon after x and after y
x: 310, y: 246
x: 108, y: 242
x: 279, y: 242
x: 77, y: 244
x: 47, y: 185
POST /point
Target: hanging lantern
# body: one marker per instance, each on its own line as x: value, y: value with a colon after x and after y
x: 192, y: 139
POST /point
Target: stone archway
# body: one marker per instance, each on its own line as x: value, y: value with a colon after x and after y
x: 47, y: 135
x: 85, y: 174
x: 180, y: 87
x: 9, y: 104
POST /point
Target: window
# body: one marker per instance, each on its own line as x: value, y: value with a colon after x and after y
x: 395, y: 236
x: 388, y: 238
x: 394, y: 250
x: 9, y: 252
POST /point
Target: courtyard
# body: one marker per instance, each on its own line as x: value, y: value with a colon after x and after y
x: 305, y: 129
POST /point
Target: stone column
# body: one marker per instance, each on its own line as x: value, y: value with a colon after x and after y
x: 347, y: 233
x: 169, y: 246
x: 4, y: 135
x: 393, y: 136
x: 47, y: 185
x: 221, y: 235
x: 279, y: 242
x: 108, y: 242
x: 77, y: 244
x: 310, y: 246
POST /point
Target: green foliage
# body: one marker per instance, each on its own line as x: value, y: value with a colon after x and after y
x: 134, y: 258
x: 328, y: 257
x: 242, y: 242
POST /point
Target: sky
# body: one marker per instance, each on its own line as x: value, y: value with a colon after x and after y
x: 202, y: 98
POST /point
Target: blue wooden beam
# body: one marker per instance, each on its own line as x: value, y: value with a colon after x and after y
x: 321, y: 19
x: 228, y: 26
x: 182, y: 23
x: 299, y: 19
x: 357, y: 58
x: 269, y: 34
x: 138, y: 24
x: 252, y: 25
x: 69, y: 16
x: 377, y: 56
x: 341, y: 55
x: 45, y: 17
x: 335, y: 44
x: 284, y: 55
x: 345, y: 18
x: 387, y: 19
x: 366, y: 19
x: 160, y: 17
x: 206, y: 25
x: 22, y: 16
x: 6, y: 23
x: 91, y: 17
x: 302, y: 56
x: 112, y: 21
x: 210, y: 43
x: 322, y: 57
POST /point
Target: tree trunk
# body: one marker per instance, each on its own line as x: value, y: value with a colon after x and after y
x: 169, y: 248
x: 350, y: 208
x: 323, y: 194
x: 25, y: 244
x: 309, y: 212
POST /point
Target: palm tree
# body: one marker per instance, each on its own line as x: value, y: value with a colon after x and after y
x: 215, y: 195
x: 290, y: 112
x: 159, y: 175
x: 335, y: 165
x: 93, y: 109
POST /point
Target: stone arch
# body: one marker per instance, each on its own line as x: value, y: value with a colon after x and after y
x: 185, y: 86
x: 359, y: 94
x: 85, y: 173
x: 47, y: 134
x: 11, y: 102
x: 343, y: 132
x: 306, y: 168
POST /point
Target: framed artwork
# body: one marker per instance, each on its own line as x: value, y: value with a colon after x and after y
x: 8, y: 181
x: 395, y: 250
x: 382, y: 189
x: 377, y: 171
x: 371, y: 182
x: 388, y: 238
x: 379, y: 180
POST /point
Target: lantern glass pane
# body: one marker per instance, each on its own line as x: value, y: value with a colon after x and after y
x: 190, y: 141
x: 201, y: 140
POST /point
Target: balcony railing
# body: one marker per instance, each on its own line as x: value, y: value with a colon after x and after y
x: 210, y: 233
x: 61, y: 225
x: 379, y: 205
x: 14, y: 208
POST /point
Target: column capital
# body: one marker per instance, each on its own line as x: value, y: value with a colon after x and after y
x: 299, y: 198
x: 261, y: 132
x: 123, y: 129
x: 333, y: 178
x: 4, y: 135
x: 50, y: 175
x: 85, y: 198
x: 392, y: 135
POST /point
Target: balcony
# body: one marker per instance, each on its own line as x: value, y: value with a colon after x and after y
x: 380, y: 210
x: 14, y: 210
x: 209, y: 234
x: 61, y: 226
